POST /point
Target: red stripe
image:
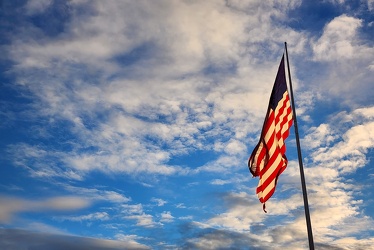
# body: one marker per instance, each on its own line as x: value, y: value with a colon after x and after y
x: 268, y: 123
x: 271, y: 192
x: 285, y: 118
x: 273, y: 175
x: 270, y: 179
x: 280, y: 110
x: 271, y: 161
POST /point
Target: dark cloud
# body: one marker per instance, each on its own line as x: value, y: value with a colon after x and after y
x: 210, y: 238
x: 323, y: 246
x: 16, y: 239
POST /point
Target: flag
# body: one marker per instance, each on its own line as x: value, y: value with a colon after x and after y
x: 268, y: 159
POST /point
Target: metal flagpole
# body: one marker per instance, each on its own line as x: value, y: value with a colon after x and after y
x: 303, y: 185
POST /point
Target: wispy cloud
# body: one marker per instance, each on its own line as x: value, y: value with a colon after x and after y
x: 95, y: 194
x: 159, y: 202
x: 102, y: 216
x: 10, y: 206
x: 131, y: 137
x: 34, y: 7
x: 135, y: 212
x: 164, y: 101
x: 48, y: 241
x: 336, y: 212
x: 166, y: 217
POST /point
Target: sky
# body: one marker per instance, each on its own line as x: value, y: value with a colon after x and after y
x: 128, y: 124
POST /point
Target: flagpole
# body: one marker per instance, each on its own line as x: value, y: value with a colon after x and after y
x: 303, y: 185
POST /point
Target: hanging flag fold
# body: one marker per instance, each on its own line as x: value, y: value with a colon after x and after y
x: 268, y: 159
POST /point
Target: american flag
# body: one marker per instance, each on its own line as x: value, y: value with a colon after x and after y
x: 268, y: 160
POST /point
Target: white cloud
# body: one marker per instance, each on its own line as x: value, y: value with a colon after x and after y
x: 132, y: 209
x: 142, y: 220
x: 318, y: 137
x: 37, y: 6
x: 159, y: 202
x: 370, y: 4
x: 166, y: 217
x: 338, y: 39
x: 349, y: 153
x: 135, y: 212
x: 346, y: 59
x: 367, y: 112
x: 128, y: 238
x: 354, y: 243
x: 180, y: 205
x: 223, y: 164
x: 219, y: 182
x: 115, y: 197
x: 95, y: 194
x: 235, y: 147
x: 189, y: 217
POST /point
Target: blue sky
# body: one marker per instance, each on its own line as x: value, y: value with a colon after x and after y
x: 128, y: 124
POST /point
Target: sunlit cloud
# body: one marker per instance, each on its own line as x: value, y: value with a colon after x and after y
x: 135, y: 119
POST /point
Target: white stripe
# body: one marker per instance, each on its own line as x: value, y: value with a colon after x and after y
x: 286, y: 126
x: 268, y: 189
x: 272, y: 168
x: 272, y: 149
x: 284, y: 97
